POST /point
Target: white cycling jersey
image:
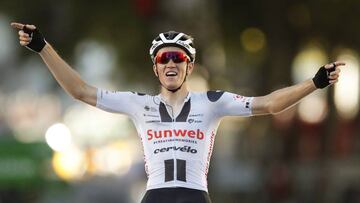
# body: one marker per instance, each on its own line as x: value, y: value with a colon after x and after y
x: 177, y: 148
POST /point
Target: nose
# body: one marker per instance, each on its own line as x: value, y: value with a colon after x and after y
x: 171, y: 63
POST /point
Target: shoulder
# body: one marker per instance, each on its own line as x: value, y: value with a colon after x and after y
x: 214, y: 96
x: 209, y: 96
x: 141, y: 94
x: 121, y: 95
x: 220, y: 96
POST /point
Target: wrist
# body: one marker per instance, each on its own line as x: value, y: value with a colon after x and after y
x: 45, y: 49
x: 312, y: 84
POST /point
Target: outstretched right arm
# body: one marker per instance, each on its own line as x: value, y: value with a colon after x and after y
x: 67, y: 77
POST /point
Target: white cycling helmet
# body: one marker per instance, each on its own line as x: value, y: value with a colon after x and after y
x: 176, y: 39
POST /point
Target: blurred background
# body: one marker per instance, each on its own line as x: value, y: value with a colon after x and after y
x: 54, y: 149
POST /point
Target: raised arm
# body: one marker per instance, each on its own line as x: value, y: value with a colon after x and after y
x: 67, y: 77
x: 282, y: 99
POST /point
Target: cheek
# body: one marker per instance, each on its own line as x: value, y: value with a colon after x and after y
x: 184, y: 68
x: 158, y: 69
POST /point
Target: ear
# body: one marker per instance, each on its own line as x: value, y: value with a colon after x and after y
x: 155, y: 70
x: 190, y: 68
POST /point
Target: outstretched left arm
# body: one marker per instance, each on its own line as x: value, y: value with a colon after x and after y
x: 285, y: 98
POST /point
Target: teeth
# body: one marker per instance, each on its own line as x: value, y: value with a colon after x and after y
x: 171, y: 73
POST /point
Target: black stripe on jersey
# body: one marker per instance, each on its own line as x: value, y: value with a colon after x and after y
x: 169, y: 170
x: 213, y: 96
x: 182, y: 117
x: 138, y: 93
x: 164, y: 115
x: 181, y: 170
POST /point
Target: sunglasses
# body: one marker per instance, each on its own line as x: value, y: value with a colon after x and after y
x: 175, y: 56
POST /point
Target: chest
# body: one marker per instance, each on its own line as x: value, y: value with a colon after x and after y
x: 191, y: 113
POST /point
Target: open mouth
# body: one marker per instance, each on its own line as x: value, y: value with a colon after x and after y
x: 171, y: 74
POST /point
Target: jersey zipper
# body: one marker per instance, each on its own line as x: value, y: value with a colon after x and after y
x: 173, y: 152
x: 172, y: 126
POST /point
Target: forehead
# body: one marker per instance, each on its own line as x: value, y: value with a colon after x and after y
x: 165, y: 49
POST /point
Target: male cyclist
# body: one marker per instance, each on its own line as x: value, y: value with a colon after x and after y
x: 177, y: 127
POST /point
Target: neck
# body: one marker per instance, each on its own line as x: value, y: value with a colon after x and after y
x: 174, y: 98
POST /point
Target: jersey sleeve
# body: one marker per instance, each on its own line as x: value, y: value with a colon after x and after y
x: 230, y: 104
x: 118, y: 102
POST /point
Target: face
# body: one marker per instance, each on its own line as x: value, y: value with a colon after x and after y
x: 171, y: 73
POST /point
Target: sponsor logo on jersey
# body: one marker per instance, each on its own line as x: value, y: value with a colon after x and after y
x: 196, y: 115
x: 148, y: 108
x: 195, y: 134
x: 186, y: 149
x: 243, y: 100
x: 191, y: 120
x: 239, y: 98
x: 152, y: 121
x: 151, y: 115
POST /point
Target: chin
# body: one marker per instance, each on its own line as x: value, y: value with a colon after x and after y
x: 172, y: 83
x: 172, y: 86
